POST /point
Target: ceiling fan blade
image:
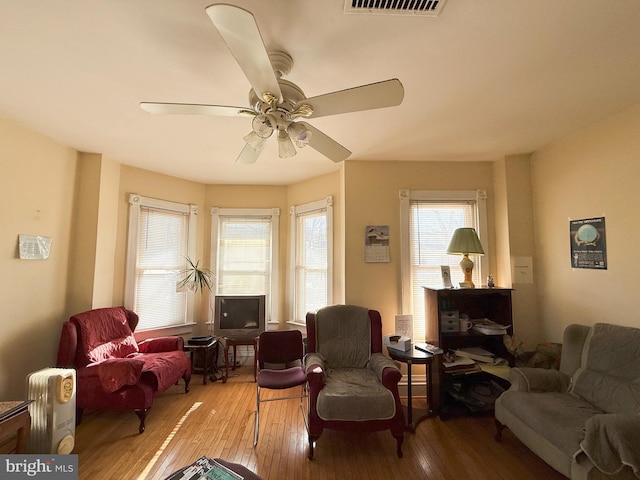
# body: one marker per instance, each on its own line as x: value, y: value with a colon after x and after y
x: 195, y: 109
x: 247, y: 155
x: 240, y: 32
x: 388, y: 93
x: 325, y: 144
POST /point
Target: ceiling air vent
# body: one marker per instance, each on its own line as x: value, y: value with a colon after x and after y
x: 429, y: 8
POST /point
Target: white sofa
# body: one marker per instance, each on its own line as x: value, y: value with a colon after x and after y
x: 583, y: 420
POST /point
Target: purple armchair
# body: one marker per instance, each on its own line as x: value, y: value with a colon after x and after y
x: 113, y: 370
x: 352, y: 385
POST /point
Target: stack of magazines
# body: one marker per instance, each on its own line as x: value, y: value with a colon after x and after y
x: 489, y: 327
x: 205, y: 468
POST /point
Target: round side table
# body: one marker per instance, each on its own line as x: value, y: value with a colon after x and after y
x: 416, y: 357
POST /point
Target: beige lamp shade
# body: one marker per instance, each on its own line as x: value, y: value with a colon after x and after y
x: 465, y: 241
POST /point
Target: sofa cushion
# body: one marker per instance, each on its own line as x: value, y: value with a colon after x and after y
x: 345, y: 343
x: 104, y: 334
x: 558, y: 417
x: 163, y: 368
x: 115, y: 373
x: 354, y: 394
x: 609, y: 376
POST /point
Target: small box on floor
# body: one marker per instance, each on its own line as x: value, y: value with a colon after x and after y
x: 398, y: 342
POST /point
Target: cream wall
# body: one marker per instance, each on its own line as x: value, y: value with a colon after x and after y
x: 590, y: 174
x: 37, y: 178
x: 372, y: 198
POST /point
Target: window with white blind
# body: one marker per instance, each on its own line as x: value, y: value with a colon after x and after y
x: 428, y: 220
x: 312, y: 257
x: 161, y: 237
x: 244, y: 253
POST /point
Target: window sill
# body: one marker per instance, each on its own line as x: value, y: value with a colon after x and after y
x: 297, y: 324
x: 165, y: 331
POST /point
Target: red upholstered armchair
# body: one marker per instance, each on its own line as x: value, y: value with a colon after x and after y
x: 352, y: 385
x: 113, y: 370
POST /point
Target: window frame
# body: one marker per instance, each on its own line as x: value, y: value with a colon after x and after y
x: 273, y: 214
x: 406, y: 197
x: 137, y: 201
x: 325, y: 205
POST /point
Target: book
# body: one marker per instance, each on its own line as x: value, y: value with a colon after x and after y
x: 489, y: 327
x: 220, y: 472
x: 428, y: 348
x: 501, y: 371
x: 476, y: 353
x: 205, y: 468
x: 464, y: 370
x: 459, y: 363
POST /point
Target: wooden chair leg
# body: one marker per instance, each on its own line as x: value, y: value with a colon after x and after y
x: 142, y: 415
x: 187, y: 379
x: 312, y: 442
x: 399, y: 440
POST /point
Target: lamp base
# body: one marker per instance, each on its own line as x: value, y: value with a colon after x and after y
x: 466, y: 265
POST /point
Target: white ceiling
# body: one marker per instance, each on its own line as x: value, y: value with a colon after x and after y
x: 486, y: 78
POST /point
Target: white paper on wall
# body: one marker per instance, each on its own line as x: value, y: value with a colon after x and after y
x: 34, y: 247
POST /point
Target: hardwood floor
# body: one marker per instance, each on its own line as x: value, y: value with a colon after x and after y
x: 217, y: 419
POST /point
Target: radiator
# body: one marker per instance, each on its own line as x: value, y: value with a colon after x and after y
x: 53, y: 411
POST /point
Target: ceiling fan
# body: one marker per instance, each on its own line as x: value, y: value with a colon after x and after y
x: 275, y: 104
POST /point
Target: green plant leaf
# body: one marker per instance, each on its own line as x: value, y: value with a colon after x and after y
x: 194, y: 277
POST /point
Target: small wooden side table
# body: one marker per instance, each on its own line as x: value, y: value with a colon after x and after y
x: 234, y: 342
x: 417, y: 357
x: 205, y: 358
x: 15, y: 418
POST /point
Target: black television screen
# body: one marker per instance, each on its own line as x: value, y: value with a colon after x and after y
x: 239, y: 316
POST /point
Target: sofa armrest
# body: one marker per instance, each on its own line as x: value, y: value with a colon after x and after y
x: 161, y: 344
x: 527, y: 379
x: 385, y: 369
x: 314, y: 367
x: 612, y: 441
x: 67, y: 346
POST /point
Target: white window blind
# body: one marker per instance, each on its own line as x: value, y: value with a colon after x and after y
x: 244, y: 256
x: 312, y: 260
x: 160, y: 240
x: 430, y: 218
x: 244, y: 250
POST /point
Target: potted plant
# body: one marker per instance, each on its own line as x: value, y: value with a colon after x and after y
x: 195, y: 278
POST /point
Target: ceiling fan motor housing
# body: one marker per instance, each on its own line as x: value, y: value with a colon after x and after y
x: 291, y: 96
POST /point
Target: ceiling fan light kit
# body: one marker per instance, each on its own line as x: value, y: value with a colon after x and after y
x: 274, y: 103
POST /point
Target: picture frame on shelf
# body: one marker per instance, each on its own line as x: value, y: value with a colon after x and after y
x: 446, y: 276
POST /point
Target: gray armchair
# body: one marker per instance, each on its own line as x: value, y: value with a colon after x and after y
x: 352, y: 385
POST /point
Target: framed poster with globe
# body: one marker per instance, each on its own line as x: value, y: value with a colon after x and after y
x: 588, y: 243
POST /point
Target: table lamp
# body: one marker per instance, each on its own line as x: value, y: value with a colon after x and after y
x: 465, y: 241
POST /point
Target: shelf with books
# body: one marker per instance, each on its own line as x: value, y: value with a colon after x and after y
x: 490, y: 307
